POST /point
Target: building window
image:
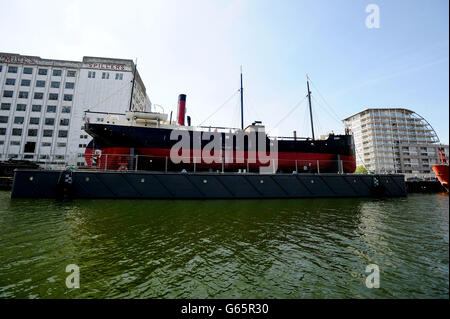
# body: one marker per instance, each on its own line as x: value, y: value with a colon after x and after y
x: 7, y: 93
x: 64, y: 122
x: 40, y: 84
x: 46, y: 144
x: 5, y: 106
x: 119, y: 76
x: 49, y: 121
x: 42, y: 71
x: 61, y: 144
x: 3, y: 119
x: 25, y: 83
x: 53, y: 96
x: 62, y: 133
x: 38, y: 96
x: 55, y: 84
x: 27, y: 70
x: 51, y: 108
x: 68, y: 97
x: 57, y: 72
x: 34, y: 120
x: 1, y: 67
x: 105, y: 75
x: 71, y: 74
x: 70, y: 85
x: 18, y: 120
x: 17, y: 131
x: 12, y: 69
x: 91, y: 74
x: 10, y: 82
x: 21, y: 107
x: 48, y: 133
x: 14, y: 143
x: 32, y: 132
x: 23, y: 95
x: 66, y: 109
x: 30, y: 147
x: 2, y: 131
x: 36, y: 108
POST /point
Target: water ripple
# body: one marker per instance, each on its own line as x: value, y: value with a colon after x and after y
x: 316, y: 248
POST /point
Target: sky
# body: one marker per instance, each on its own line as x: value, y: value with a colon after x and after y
x: 196, y: 47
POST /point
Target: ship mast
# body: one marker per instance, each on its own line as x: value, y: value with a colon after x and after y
x: 310, y: 108
x: 132, y: 86
x: 242, y: 103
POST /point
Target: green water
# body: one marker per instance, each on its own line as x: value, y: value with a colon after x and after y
x: 316, y: 248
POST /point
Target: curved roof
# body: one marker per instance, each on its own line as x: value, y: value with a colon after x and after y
x: 434, y: 136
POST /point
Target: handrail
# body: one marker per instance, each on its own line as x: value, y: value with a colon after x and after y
x: 107, y: 113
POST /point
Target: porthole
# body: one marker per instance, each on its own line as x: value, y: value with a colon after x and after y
x: 205, y: 181
x: 87, y: 179
x: 31, y: 178
x: 142, y: 180
x: 261, y: 181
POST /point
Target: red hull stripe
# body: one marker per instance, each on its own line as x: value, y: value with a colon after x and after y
x: 285, y: 159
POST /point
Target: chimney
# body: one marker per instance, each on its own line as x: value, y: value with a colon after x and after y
x: 181, y: 108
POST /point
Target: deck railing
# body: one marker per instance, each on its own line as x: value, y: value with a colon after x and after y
x: 127, y: 162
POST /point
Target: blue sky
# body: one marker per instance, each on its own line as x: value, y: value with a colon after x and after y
x: 196, y: 47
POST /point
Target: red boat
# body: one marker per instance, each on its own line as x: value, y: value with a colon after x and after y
x: 441, y: 170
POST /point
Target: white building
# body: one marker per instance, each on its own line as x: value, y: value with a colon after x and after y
x: 394, y: 140
x: 42, y: 103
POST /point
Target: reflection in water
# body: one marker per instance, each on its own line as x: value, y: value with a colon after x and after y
x: 315, y: 248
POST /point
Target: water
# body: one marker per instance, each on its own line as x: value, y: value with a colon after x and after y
x: 316, y: 248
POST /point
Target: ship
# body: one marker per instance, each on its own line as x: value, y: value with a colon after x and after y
x: 140, y: 140
x: 442, y: 170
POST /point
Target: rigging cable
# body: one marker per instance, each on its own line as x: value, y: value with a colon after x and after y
x: 250, y: 103
x: 306, y: 125
x: 289, y: 113
x: 319, y: 126
x: 323, y: 108
x: 219, y: 108
x: 326, y: 103
x: 235, y: 119
x: 336, y: 117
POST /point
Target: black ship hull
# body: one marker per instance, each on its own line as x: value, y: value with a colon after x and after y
x: 149, y: 148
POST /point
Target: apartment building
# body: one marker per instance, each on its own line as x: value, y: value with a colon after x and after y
x: 394, y: 140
